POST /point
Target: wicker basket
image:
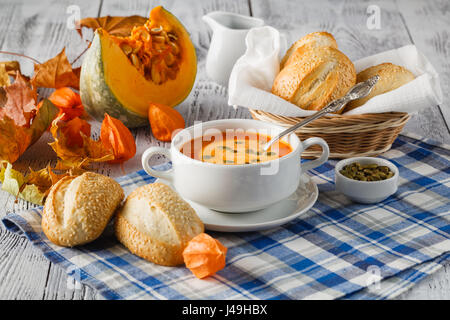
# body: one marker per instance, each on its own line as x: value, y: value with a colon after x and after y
x: 346, y: 135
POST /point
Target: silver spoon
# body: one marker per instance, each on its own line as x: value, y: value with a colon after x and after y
x: 360, y: 90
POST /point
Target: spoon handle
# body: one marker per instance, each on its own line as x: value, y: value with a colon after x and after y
x: 333, y: 106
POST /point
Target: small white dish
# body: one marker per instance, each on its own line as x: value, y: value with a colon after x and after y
x: 366, y: 191
x: 275, y: 215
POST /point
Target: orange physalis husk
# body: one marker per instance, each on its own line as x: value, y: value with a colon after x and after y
x: 204, y: 255
x: 164, y: 121
x: 115, y: 136
x: 68, y: 102
x: 72, y: 131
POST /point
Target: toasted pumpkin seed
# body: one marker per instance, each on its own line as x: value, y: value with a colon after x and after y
x: 171, y: 73
x: 156, y: 78
x: 127, y: 49
x: 172, y: 36
x: 366, y: 172
x: 166, y: 37
x: 135, y: 60
x: 144, y: 35
x: 159, y: 39
x: 163, y: 75
x: 175, y: 49
x: 169, y: 59
x: 156, y: 30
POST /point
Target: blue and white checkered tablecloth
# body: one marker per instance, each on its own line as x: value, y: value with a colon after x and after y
x: 338, y: 250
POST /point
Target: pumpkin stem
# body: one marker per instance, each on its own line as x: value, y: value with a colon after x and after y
x: 20, y: 55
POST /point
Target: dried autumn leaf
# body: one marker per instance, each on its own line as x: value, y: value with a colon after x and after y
x: 33, y: 194
x: 76, y: 156
x: 204, y: 255
x: 11, y: 67
x: 43, y: 119
x: 77, y: 72
x: 56, y: 73
x: 33, y: 187
x: 20, y: 103
x: 15, y: 183
x: 117, y: 137
x: 40, y: 178
x: 68, y: 102
x: 14, y: 139
x: 4, y: 76
x: 8, y: 68
x: 117, y: 26
x: 55, y: 177
x: 11, y: 179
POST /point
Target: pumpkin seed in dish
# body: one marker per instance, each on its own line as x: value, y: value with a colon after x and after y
x: 366, y: 172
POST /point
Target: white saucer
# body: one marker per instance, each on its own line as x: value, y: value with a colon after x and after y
x: 277, y: 214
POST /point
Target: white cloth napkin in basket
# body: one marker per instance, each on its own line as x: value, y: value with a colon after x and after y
x: 253, y: 74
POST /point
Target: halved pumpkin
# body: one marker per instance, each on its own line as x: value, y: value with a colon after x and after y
x: 123, y: 75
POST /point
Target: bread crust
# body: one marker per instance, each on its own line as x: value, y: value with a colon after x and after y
x: 78, y: 208
x: 391, y: 77
x: 316, y: 77
x: 312, y: 40
x: 180, y: 216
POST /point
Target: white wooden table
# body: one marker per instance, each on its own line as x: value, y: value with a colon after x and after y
x: 39, y: 29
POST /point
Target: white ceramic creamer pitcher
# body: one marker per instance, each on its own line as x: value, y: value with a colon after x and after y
x: 227, y: 43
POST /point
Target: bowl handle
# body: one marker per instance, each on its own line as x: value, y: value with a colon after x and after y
x: 166, y: 174
x: 323, y: 157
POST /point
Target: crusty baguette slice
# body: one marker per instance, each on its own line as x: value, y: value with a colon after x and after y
x: 391, y: 77
x: 78, y: 208
x: 312, y: 40
x: 318, y: 76
x: 156, y: 224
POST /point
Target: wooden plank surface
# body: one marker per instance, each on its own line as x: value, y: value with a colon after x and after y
x: 39, y: 29
x: 425, y: 24
x: 428, y: 24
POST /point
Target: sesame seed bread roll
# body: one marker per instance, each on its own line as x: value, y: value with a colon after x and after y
x: 312, y: 40
x: 78, y: 208
x: 391, y: 78
x: 316, y: 77
x: 156, y: 224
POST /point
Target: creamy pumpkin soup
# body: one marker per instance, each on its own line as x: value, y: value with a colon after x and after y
x: 236, y: 148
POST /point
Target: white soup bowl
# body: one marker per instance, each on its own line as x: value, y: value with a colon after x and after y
x: 234, y: 188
